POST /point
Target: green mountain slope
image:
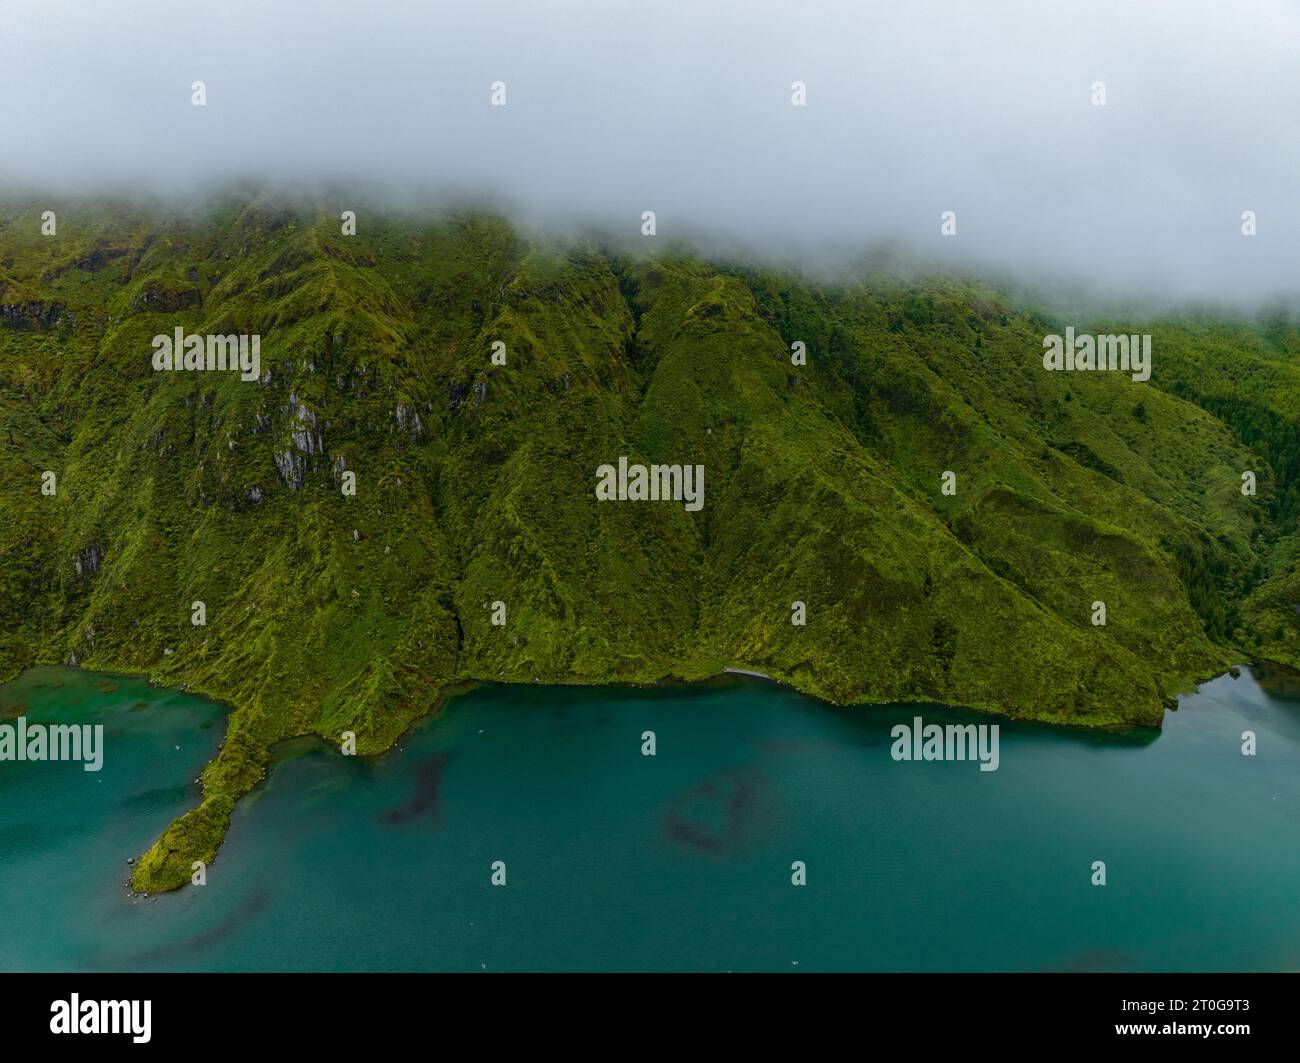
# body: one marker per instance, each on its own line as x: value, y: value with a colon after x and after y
x: 475, y: 483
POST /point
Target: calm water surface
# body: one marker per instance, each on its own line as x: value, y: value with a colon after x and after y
x: 681, y: 861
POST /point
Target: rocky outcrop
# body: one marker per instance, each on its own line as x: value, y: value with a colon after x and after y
x: 158, y: 299
x: 98, y: 258
x: 408, y: 420
x: 87, y: 560
x: 293, y: 468
x: 31, y: 315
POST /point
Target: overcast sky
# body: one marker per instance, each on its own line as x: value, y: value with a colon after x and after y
x: 684, y: 107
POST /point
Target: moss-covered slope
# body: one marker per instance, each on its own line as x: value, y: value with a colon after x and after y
x: 328, y: 612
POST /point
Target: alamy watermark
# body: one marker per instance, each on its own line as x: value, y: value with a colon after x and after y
x: 953, y: 741
x: 103, y: 1016
x: 63, y: 741
x: 195, y: 352
x: 653, y: 483
x: 1131, y: 354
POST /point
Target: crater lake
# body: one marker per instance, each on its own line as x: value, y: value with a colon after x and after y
x: 615, y: 860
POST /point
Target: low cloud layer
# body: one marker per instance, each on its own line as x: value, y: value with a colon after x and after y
x: 684, y: 107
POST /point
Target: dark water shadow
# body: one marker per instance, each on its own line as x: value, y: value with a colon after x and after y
x: 1280, y: 684
x: 425, y: 796
x: 257, y: 901
x: 722, y: 814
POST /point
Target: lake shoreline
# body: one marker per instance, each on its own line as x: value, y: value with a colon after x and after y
x: 212, y: 835
x: 748, y: 776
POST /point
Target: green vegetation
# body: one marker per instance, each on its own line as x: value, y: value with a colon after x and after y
x: 475, y: 482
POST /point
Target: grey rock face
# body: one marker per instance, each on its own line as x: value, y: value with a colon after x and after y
x: 87, y: 560
x: 29, y: 315
x: 292, y: 467
x: 408, y: 420
x: 304, y: 434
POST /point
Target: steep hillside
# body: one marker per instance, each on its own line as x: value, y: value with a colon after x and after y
x: 475, y: 482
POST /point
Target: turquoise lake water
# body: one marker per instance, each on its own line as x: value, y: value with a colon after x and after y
x: 681, y: 861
